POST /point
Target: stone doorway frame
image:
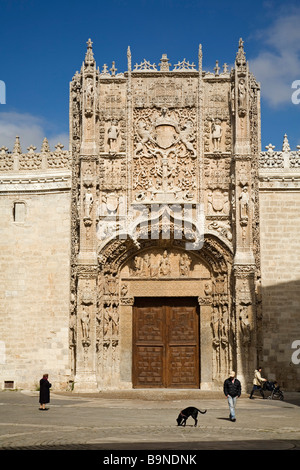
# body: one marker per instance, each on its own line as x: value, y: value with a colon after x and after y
x: 105, y: 361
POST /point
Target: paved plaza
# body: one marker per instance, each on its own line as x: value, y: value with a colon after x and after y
x: 145, y: 420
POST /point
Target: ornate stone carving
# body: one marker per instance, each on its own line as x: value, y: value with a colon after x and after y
x: 164, y: 154
x: 167, y: 136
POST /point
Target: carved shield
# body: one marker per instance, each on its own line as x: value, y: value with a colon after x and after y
x: 218, y: 201
x: 165, y: 136
x: 112, y: 202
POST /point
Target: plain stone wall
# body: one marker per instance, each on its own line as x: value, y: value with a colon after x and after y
x: 280, y: 267
x: 34, y: 291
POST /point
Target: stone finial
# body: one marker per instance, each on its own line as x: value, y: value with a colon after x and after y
x: 128, y: 59
x: 164, y: 63
x: 89, y: 56
x: 45, y: 146
x: 17, y: 147
x: 270, y: 149
x: 200, y: 56
x: 31, y: 149
x: 113, y: 69
x: 285, y: 144
x: 3, y: 150
x: 225, y: 68
x: 240, y: 56
x: 59, y: 147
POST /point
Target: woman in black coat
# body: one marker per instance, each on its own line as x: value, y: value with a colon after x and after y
x: 45, y: 386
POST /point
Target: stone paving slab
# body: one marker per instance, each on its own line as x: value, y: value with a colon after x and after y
x: 145, y: 421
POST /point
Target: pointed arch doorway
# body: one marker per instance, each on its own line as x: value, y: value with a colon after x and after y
x: 166, y: 341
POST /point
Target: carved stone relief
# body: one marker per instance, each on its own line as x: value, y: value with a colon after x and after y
x: 165, y: 154
x: 164, y: 135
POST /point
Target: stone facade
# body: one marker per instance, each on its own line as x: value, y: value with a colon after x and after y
x: 35, y: 264
x: 164, y: 197
x: 279, y: 184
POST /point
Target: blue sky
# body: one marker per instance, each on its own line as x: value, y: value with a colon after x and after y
x: 42, y: 44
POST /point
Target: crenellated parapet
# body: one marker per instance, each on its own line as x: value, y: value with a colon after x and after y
x: 279, y: 169
x: 32, y: 170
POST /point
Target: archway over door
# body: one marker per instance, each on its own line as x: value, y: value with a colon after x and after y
x: 166, y: 343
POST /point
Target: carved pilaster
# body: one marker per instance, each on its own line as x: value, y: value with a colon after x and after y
x: 85, y: 378
x: 246, y: 324
x: 242, y: 169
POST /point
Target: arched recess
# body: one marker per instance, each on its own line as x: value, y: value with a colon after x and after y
x: 134, y: 267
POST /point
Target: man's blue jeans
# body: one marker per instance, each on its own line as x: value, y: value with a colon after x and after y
x: 232, y: 403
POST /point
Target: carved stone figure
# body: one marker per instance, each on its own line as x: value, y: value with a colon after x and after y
x: 184, y: 264
x: 85, y: 325
x: 244, y: 206
x: 216, y: 134
x: 112, y: 136
x: 245, y: 326
x: 88, y: 203
x: 164, y: 265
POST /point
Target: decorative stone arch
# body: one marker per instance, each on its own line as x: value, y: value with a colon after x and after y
x: 204, y: 273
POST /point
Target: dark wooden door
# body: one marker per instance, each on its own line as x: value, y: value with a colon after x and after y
x: 165, y: 343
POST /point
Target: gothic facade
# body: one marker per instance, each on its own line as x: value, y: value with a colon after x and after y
x: 150, y: 235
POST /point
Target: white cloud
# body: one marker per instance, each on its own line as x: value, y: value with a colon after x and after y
x: 278, y: 63
x: 30, y: 129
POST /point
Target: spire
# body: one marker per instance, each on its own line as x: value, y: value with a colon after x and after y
x: 89, y: 56
x: 285, y: 144
x: 200, y: 55
x: 45, y: 146
x: 240, y: 56
x: 129, y: 59
x: 17, y: 147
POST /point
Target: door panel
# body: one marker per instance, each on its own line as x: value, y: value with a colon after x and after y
x: 166, y: 343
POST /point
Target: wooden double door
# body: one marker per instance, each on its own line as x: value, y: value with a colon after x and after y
x: 166, y: 343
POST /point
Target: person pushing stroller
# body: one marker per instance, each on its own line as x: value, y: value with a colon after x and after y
x: 258, y: 381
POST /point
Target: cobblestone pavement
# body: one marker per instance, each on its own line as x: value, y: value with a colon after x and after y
x: 146, y: 421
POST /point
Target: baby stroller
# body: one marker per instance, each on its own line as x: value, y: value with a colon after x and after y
x: 273, y: 387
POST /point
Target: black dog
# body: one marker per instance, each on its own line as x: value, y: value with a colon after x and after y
x: 190, y: 411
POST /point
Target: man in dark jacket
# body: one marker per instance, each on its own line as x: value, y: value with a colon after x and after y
x: 232, y: 390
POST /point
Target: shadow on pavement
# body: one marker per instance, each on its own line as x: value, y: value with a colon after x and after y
x: 172, y: 447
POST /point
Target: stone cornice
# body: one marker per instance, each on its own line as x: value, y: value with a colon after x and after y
x: 35, y: 181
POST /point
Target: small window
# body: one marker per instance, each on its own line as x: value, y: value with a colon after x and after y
x: 9, y: 384
x: 19, y: 212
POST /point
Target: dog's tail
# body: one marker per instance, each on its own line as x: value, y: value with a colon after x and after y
x: 202, y: 412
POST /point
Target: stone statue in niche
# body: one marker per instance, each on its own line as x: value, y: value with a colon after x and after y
x: 85, y: 325
x: 184, y: 264
x: 244, y: 206
x: 124, y: 290
x: 89, y: 93
x: 112, y: 136
x: 242, y: 97
x: 216, y: 134
x: 115, y: 320
x: 88, y: 203
x: 164, y: 265
x: 245, y: 326
x: 107, y: 318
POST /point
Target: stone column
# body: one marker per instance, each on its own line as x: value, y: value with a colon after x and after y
x: 206, y: 347
x: 85, y: 379
x: 244, y: 261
